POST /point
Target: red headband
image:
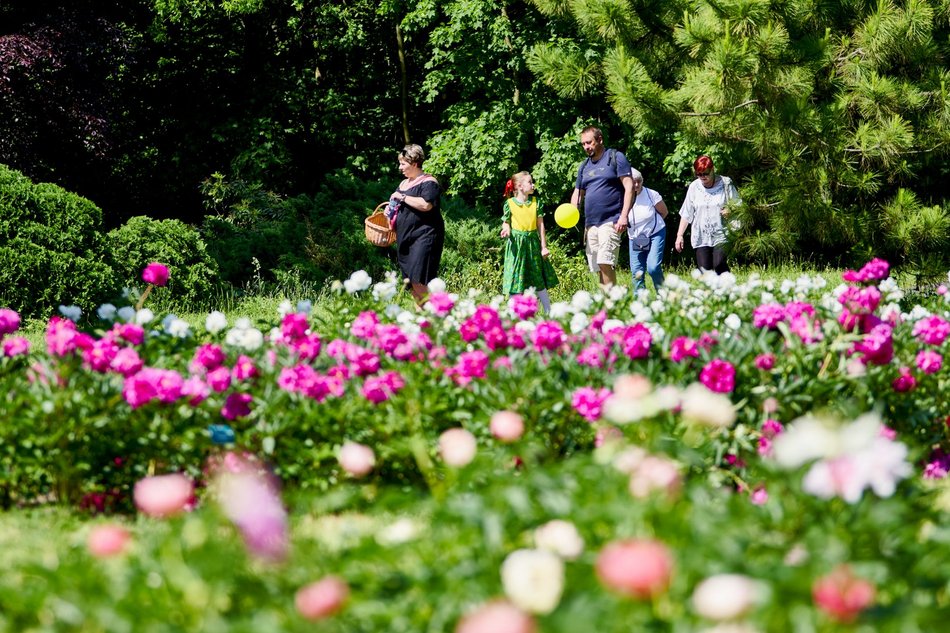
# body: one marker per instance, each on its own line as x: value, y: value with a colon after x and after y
x: 509, y: 188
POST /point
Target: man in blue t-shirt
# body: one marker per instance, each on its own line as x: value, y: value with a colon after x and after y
x: 605, y: 188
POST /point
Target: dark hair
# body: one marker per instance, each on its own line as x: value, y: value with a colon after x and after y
x: 595, y: 131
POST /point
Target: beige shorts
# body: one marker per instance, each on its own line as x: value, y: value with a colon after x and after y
x: 602, y: 246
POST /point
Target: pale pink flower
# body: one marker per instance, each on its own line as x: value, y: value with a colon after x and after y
x: 457, y: 447
x: 638, y: 568
x: 842, y: 595
x: 195, y: 390
x: 655, y: 474
x: 497, y: 617
x: 249, y: 497
x: 506, y: 426
x: 725, y: 596
x: 356, y: 459
x: 163, y: 495
x: 594, y: 355
x: 632, y: 386
x: 323, y: 598
x: 107, y: 540
x: 759, y: 496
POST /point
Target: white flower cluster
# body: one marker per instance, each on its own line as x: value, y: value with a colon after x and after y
x: 847, y: 459
x: 244, y: 336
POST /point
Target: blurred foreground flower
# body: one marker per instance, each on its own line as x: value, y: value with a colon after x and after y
x: 842, y: 595
x: 107, y: 540
x: 249, y: 498
x: 851, y: 458
x: 356, y: 459
x: 725, y: 596
x: 497, y: 617
x: 560, y: 537
x: 506, y: 426
x: 533, y: 579
x: 639, y: 568
x: 155, y: 274
x: 163, y: 495
x: 457, y: 447
x: 322, y: 598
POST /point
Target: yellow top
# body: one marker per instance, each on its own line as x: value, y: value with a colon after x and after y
x: 523, y: 216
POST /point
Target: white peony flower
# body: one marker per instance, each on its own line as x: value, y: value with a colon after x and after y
x: 561, y: 309
x: 560, y: 537
x: 73, y: 313
x: 144, y: 316
x: 701, y: 405
x: 358, y: 282
x: 126, y: 313
x: 726, y: 596
x: 582, y: 301
x: 533, y: 579
x: 579, y: 322
x: 285, y: 308
x: 436, y: 285
x: 384, y: 291
x: 215, y: 322
x: 401, y: 531
x: 733, y: 321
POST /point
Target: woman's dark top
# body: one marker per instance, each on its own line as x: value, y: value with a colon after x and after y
x: 420, y: 235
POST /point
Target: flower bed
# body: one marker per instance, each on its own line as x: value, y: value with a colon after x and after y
x: 759, y: 452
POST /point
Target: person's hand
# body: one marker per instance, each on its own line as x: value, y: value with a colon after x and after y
x: 679, y: 244
x: 621, y: 225
x: 505, y: 230
x: 544, y: 251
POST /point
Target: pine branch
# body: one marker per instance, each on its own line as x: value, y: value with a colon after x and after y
x: 741, y: 105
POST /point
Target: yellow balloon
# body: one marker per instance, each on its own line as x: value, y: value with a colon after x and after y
x: 566, y: 215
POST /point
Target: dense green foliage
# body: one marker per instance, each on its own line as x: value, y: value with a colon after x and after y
x: 831, y: 117
x: 51, y: 247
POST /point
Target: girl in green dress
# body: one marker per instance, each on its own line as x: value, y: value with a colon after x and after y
x: 526, y: 249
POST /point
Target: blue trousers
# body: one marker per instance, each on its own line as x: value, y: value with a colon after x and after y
x: 650, y: 262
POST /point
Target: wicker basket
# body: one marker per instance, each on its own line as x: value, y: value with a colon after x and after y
x: 377, y: 228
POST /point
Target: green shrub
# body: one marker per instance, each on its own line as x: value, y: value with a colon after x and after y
x: 51, y: 247
x: 177, y: 245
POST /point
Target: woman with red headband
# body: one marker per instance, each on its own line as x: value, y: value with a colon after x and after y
x: 705, y: 206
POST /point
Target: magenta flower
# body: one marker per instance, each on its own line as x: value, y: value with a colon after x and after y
x: 938, y: 465
x: 636, y: 341
x: 130, y: 332
x: 9, y: 321
x: 207, y: 357
x: 594, y: 355
x: 380, y: 388
x: 237, y: 405
x: 126, y: 362
x: 99, y: 357
x: 682, y: 348
x: 61, y: 336
x: 768, y: 315
x: 548, y: 336
x: 15, y: 346
x: 155, y: 274
x: 807, y: 328
x: 244, y: 368
x: 364, y: 325
x: 151, y: 384
x: 441, y: 303
x: 929, y: 361
x: 523, y: 306
x: 219, y: 379
x: 294, y: 325
x: 718, y: 375
x: 765, y: 362
x: 389, y: 337
x: 932, y: 330
x: 877, y: 346
x: 195, y: 390
x: 589, y: 402
x: 905, y: 381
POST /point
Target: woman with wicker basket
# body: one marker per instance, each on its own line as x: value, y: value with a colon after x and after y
x: 415, y: 214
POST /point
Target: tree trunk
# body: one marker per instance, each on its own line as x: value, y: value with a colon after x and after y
x: 404, y: 85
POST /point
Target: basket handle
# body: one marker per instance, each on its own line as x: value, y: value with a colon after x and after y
x: 380, y: 208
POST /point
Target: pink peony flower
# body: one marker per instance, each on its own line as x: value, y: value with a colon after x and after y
x: 765, y: 362
x: 237, y: 405
x: 905, y: 381
x: 440, y: 303
x: 364, y: 325
x: 457, y: 447
x: 768, y: 315
x: 506, y: 426
x: 718, y: 375
x: 548, y: 336
x: 15, y: 346
x: 61, y: 336
x: 155, y: 274
x: 594, y: 355
x: 294, y: 326
x: 163, y: 495
x: 682, y: 348
x: 356, y: 459
x: 497, y: 617
x: 929, y: 361
x: 207, y: 357
x: 219, y: 379
x: 195, y: 390
x: 107, y: 540
x: 842, y: 595
x: 639, y: 568
x: 523, y: 306
x: 589, y: 402
x: 636, y: 341
x: 322, y: 599
x: 932, y: 330
x: 655, y: 474
x: 9, y: 321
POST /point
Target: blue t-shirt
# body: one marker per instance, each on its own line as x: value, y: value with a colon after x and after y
x: 603, y: 191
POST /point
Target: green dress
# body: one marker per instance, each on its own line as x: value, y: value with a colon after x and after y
x: 524, y: 266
